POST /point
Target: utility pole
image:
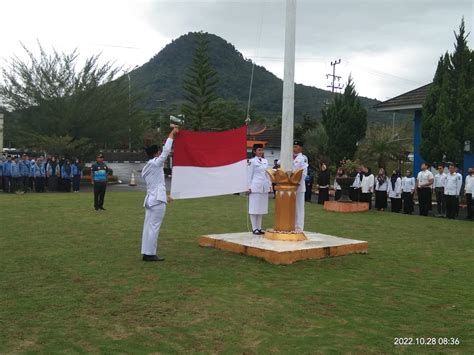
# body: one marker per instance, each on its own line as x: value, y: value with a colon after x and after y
x: 334, y: 76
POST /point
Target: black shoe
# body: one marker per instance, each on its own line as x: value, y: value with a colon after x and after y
x: 261, y: 232
x: 256, y: 232
x: 152, y: 258
x: 102, y: 208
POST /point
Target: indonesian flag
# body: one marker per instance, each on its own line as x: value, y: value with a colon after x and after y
x: 209, y: 163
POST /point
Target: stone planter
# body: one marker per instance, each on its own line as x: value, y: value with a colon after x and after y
x: 345, y: 182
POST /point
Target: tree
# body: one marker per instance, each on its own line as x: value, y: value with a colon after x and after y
x: 50, y: 97
x: 316, y: 143
x: 345, y: 122
x: 448, y: 108
x: 307, y: 125
x: 381, y: 146
x: 199, y: 89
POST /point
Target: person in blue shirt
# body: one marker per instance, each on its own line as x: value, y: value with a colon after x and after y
x: 2, y: 160
x: 24, y: 168
x: 39, y: 171
x: 16, y: 177
x: 76, y: 175
x: 7, y: 174
x: 52, y: 173
x: 66, y: 175
x: 99, y: 172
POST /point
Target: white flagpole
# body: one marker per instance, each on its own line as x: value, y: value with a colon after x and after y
x: 288, y: 110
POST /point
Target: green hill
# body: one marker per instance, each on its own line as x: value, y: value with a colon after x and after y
x: 162, y: 78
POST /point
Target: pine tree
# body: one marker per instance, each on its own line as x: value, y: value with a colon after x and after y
x: 199, y: 89
x: 345, y: 122
x: 448, y: 110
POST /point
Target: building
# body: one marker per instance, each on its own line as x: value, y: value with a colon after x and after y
x: 412, y: 103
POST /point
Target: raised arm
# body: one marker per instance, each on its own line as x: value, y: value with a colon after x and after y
x: 167, y: 148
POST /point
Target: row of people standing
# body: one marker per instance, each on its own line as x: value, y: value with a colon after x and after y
x: 401, y: 191
x: 23, y: 174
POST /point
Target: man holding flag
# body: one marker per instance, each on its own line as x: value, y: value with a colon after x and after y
x: 155, y: 199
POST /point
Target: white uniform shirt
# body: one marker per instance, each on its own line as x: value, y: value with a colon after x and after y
x: 154, y: 177
x: 397, y: 191
x: 381, y: 186
x: 367, y: 184
x: 439, y: 180
x: 469, y: 184
x: 408, y: 184
x: 257, y: 177
x: 453, y: 184
x: 423, y: 178
x: 301, y: 162
x: 357, y: 181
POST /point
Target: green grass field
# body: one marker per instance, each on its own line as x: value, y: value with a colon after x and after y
x: 72, y: 280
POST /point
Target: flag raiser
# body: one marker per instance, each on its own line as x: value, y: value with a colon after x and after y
x: 209, y: 163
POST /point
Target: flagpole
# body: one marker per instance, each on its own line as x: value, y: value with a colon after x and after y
x: 286, y: 180
x: 288, y: 107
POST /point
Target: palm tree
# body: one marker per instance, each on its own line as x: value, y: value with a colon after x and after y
x: 381, y: 146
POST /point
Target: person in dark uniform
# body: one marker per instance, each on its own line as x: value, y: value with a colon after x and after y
x: 323, y: 184
x: 66, y: 175
x: 52, y: 173
x: 308, y: 181
x: 276, y: 166
x: 76, y: 175
x: 99, y: 172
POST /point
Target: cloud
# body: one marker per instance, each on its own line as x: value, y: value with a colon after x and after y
x: 390, y: 46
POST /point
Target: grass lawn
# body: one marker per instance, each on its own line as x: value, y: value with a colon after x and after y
x: 72, y: 280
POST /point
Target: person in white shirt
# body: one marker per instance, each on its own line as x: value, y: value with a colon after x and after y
x: 259, y: 186
x: 408, y: 190
x: 367, y: 186
x: 468, y: 188
x: 424, y: 181
x: 300, y: 161
x: 155, y: 199
x: 451, y: 191
x: 381, y: 187
x: 438, y: 185
x: 354, y: 192
x: 395, y: 191
x: 337, y: 187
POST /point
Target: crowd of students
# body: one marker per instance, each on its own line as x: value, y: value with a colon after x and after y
x: 20, y: 174
x: 445, y: 187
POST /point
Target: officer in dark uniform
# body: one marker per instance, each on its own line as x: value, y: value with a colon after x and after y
x: 99, y: 173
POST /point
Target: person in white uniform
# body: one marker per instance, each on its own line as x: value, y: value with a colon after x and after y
x: 468, y: 187
x: 395, y: 191
x: 259, y: 186
x: 452, y: 189
x: 300, y: 161
x: 155, y: 199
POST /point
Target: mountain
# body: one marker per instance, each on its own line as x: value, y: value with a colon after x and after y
x: 162, y: 79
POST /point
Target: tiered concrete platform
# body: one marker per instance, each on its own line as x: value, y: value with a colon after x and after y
x: 317, y: 246
x: 346, y: 207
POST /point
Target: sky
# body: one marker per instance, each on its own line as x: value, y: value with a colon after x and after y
x: 388, y: 46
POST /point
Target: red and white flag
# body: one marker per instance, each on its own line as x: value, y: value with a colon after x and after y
x: 209, y: 163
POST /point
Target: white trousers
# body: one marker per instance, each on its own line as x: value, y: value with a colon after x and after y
x: 151, y: 228
x: 299, y: 213
x: 256, y: 220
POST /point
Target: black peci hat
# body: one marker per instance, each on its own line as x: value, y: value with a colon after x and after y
x: 298, y: 142
x: 151, y: 150
x: 256, y: 146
